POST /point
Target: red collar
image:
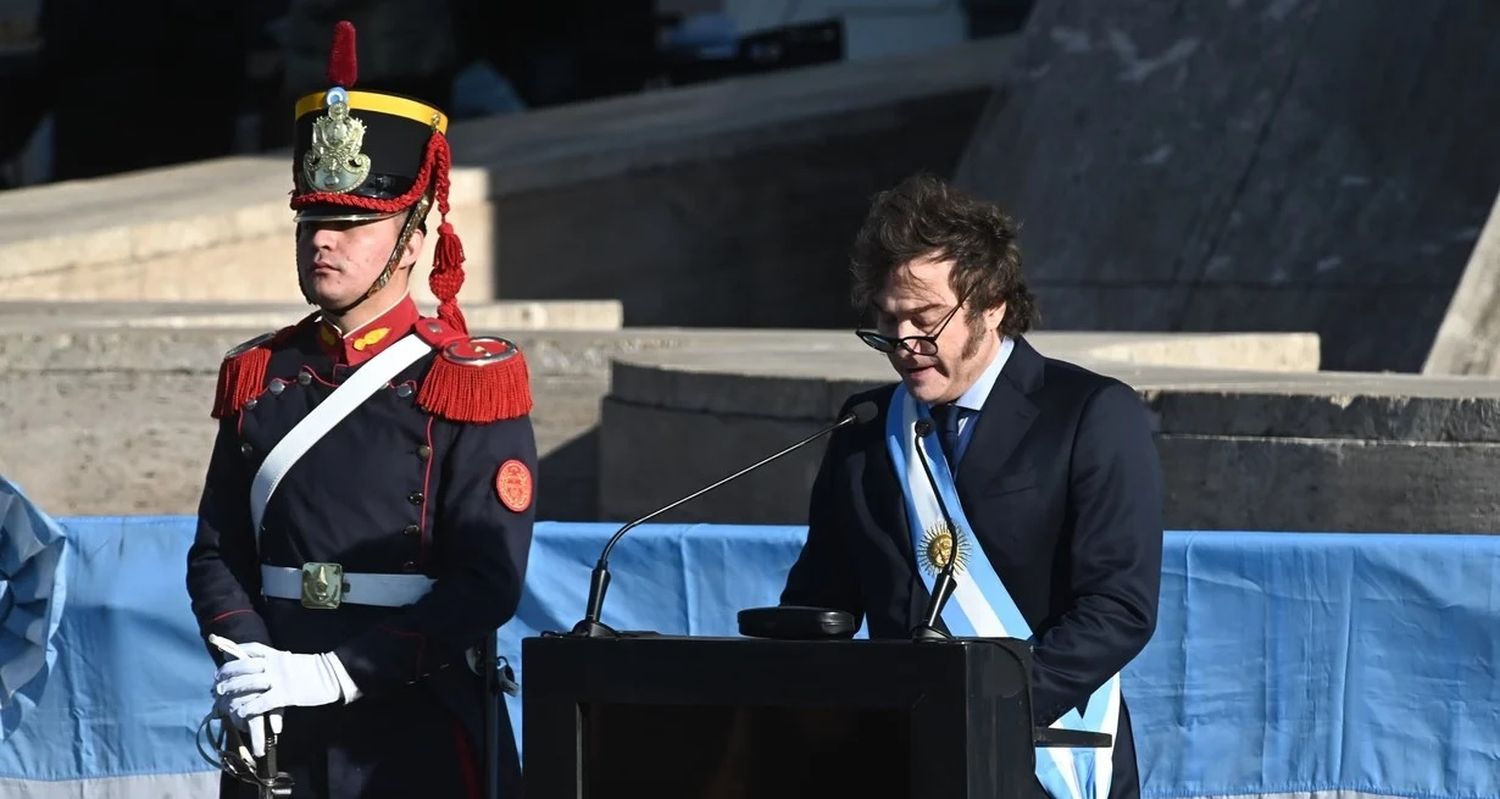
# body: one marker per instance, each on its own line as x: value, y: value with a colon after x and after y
x: 365, y: 342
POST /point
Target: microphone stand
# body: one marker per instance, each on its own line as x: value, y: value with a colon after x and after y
x: 590, y: 626
x: 943, y: 586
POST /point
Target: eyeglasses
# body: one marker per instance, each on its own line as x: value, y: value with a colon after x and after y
x: 916, y: 345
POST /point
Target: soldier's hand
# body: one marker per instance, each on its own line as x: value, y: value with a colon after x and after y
x: 253, y: 728
x: 222, y: 707
x: 255, y: 725
x: 256, y: 728
x: 259, y: 727
x: 257, y: 735
x: 269, y: 679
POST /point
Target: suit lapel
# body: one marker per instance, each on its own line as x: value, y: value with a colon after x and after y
x: 1007, y: 415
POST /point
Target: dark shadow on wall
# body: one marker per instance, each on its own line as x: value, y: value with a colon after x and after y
x: 756, y: 235
x: 568, y: 481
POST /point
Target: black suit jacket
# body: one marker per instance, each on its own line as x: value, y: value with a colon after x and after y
x: 1063, y: 487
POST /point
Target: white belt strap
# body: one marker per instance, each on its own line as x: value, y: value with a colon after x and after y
x: 344, y: 399
x: 383, y: 590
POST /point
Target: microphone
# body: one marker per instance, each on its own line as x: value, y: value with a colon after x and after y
x: 590, y: 626
x: 943, y: 586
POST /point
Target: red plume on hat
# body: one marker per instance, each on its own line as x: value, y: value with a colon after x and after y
x: 343, y: 61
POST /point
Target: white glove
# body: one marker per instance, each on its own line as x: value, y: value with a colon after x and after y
x: 255, y: 726
x: 269, y: 679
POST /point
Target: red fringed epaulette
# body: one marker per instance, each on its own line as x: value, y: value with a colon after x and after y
x: 242, y: 376
x: 473, y: 380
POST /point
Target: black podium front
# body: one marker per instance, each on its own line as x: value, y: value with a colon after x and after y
x: 668, y: 717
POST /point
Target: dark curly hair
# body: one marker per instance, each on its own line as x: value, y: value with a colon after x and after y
x: 924, y: 216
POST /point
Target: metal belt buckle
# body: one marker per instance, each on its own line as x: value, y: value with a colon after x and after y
x: 322, y: 586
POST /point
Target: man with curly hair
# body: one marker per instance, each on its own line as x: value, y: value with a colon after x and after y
x: 1047, y: 471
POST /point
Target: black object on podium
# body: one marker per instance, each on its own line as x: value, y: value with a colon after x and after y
x: 666, y: 717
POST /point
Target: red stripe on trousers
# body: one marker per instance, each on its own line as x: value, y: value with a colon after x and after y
x: 466, y: 761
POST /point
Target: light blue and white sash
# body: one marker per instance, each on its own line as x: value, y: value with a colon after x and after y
x: 981, y: 607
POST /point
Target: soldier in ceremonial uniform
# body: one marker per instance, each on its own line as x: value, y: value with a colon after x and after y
x: 368, y: 507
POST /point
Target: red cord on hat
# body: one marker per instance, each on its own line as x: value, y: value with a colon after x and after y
x: 447, y: 275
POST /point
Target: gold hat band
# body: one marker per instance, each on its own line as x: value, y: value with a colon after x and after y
x: 379, y: 103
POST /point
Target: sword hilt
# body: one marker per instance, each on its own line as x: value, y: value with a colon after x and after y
x: 274, y: 783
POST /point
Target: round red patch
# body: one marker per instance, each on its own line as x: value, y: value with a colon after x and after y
x: 513, y: 484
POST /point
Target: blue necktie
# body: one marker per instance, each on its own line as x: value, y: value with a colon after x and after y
x: 946, y: 417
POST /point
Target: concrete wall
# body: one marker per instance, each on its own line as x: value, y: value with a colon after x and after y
x: 133, y: 239
x: 756, y: 239
x: 1294, y: 449
x: 104, y: 412
x: 1320, y: 165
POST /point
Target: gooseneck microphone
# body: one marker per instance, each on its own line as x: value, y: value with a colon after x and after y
x: 942, y: 587
x: 590, y: 626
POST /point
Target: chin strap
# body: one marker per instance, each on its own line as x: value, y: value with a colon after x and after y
x: 414, y: 217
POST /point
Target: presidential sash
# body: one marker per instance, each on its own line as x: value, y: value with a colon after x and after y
x: 980, y: 606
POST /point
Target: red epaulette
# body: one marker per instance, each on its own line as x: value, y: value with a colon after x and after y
x: 474, y: 380
x: 242, y: 375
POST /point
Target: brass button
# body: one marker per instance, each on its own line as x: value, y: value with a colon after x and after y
x: 404, y: 390
x: 414, y: 497
x: 304, y: 378
x: 277, y: 386
x: 247, y: 450
x: 424, y: 452
x: 412, y: 529
x: 250, y: 406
